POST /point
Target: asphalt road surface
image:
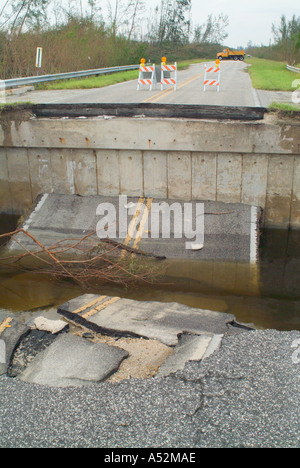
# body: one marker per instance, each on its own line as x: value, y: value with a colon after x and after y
x: 244, y: 395
x: 235, y: 90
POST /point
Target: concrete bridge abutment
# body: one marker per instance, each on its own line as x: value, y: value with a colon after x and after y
x: 255, y: 163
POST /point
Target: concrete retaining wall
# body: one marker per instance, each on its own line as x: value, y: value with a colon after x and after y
x: 250, y: 162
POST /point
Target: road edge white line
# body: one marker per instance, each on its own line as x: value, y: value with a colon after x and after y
x: 256, y: 99
x: 37, y: 209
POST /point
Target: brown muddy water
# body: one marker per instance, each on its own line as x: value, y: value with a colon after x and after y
x: 266, y: 295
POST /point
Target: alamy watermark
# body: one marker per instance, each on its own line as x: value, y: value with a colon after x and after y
x: 152, y: 220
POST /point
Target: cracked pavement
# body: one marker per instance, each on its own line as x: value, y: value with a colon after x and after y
x: 246, y: 394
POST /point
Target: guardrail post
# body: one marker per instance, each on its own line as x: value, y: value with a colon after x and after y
x: 2, y: 91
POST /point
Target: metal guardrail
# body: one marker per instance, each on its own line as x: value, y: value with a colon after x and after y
x: 13, y: 82
x: 293, y: 69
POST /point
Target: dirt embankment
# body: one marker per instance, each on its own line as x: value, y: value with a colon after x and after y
x: 16, y: 114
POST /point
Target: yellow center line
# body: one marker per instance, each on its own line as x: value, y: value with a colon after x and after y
x: 134, y: 220
x: 89, y: 304
x: 133, y: 224
x: 166, y: 92
x: 5, y: 324
x: 143, y: 223
x: 100, y: 307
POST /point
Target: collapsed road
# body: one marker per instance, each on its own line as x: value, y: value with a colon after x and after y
x: 206, y: 381
x: 243, y: 393
x: 215, y: 383
x: 175, y: 333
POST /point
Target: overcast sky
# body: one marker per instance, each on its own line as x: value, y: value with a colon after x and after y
x: 250, y: 20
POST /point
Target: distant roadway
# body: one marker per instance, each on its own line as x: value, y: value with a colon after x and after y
x: 235, y: 90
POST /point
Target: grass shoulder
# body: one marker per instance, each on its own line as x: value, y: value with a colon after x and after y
x: 90, y: 82
x: 271, y: 75
x: 15, y: 106
x: 285, y: 111
x: 284, y: 107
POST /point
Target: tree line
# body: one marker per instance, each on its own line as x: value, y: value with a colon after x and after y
x: 286, y: 42
x: 84, y: 34
x: 168, y: 20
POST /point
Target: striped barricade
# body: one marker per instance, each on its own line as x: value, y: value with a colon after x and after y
x: 166, y: 78
x: 212, y: 81
x: 147, y: 76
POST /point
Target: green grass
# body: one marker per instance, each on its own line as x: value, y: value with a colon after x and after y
x: 284, y: 106
x: 8, y: 106
x: 93, y: 81
x: 104, y: 80
x: 271, y: 75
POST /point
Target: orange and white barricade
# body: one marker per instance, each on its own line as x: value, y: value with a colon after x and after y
x: 212, y: 81
x: 147, y: 76
x: 166, y: 78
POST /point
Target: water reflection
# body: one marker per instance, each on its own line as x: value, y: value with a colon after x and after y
x: 266, y: 295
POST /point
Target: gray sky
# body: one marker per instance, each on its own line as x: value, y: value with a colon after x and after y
x: 250, y: 20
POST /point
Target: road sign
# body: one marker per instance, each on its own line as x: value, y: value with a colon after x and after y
x: 39, y: 53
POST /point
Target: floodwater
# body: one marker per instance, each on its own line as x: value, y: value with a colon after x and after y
x: 266, y: 295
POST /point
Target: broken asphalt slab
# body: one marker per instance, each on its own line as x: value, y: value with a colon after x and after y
x: 164, y: 322
x: 46, y: 358
x: 29, y: 347
x: 246, y: 394
x: 11, y: 334
x: 231, y: 231
x: 73, y: 361
x: 189, y: 348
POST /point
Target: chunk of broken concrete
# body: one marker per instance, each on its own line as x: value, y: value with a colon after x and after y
x: 52, y: 326
x: 11, y: 333
x: 189, y: 348
x: 73, y: 361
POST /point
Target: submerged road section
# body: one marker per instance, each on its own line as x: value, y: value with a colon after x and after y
x: 199, y: 230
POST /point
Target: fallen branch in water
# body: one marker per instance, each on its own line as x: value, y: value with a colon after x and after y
x: 86, y: 261
x: 134, y: 251
x: 216, y: 214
